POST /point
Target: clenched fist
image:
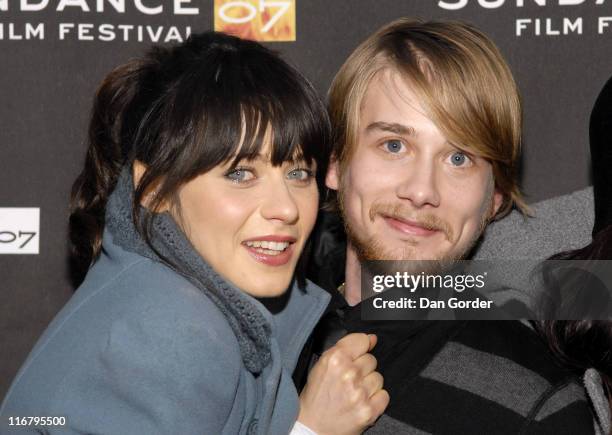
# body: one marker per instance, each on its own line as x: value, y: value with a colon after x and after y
x: 344, y: 394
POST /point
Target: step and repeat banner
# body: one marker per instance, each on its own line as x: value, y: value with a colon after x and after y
x: 53, y: 54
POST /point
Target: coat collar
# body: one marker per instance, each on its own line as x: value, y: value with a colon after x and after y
x: 250, y: 320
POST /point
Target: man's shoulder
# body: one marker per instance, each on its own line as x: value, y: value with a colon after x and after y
x: 481, y: 375
x: 469, y: 353
x: 509, y: 350
x: 502, y: 361
x: 558, y: 224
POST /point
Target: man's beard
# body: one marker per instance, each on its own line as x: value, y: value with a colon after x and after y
x: 370, y: 250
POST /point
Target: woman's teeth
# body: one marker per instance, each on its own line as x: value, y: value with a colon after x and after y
x: 268, y: 248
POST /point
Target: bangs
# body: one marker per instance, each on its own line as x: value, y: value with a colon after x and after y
x: 229, y: 112
x: 461, y: 96
x: 284, y: 137
x: 212, y: 100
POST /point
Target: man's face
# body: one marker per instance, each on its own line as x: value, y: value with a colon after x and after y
x: 406, y: 192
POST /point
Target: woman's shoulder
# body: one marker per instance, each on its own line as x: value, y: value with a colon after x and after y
x: 152, y: 289
x: 141, y: 338
x: 150, y: 294
x: 136, y: 309
x: 136, y: 314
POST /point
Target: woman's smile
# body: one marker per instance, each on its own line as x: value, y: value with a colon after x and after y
x: 273, y: 250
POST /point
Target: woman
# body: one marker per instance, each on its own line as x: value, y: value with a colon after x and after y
x: 198, y: 196
x: 585, y: 346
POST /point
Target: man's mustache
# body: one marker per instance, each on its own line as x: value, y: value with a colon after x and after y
x: 402, y: 213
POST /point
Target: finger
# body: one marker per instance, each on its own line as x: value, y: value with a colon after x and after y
x: 379, y: 402
x: 373, y: 340
x: 355, y: 344
x: 373, y: 383
x: 365, y: 364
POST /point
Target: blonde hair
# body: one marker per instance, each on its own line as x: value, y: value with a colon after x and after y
x: 462, y: 82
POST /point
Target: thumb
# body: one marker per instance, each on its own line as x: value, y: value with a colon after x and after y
x: 373, y: 340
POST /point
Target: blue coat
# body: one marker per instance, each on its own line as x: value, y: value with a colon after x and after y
x: 140, y: 350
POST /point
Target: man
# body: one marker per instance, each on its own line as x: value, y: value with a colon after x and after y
x: 427, y: 124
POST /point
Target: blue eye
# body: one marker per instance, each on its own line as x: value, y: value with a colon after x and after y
x: 240, y: 175
x: 459, y: 159
x: 300, y: 174
x: 393, y: 146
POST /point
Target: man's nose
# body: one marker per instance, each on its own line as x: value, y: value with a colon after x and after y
x: 419, y: 183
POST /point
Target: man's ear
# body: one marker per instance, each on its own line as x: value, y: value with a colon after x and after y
x: 498, y: 198
x: 138, y: 170
x: 332, y: 178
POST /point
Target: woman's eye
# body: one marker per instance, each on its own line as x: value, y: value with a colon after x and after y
x: 240, y: 175
x: 459, y: 159
x: 300, y: 174
x: 393, y: 146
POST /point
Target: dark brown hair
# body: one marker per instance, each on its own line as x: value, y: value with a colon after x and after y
x: 583, y: 344
x: 183, y: 110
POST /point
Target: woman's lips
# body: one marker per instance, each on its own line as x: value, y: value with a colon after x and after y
x: 271, y: 259
x: 408, y: 227
x: 269, y: 249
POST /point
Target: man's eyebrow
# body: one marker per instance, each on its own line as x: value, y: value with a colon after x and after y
x: 392, y: 127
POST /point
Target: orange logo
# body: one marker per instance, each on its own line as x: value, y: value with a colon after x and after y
x: 260, y: 20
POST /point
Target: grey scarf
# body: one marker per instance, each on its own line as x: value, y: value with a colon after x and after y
x: 249, y: 324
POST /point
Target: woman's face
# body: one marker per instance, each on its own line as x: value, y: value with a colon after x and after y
x: 250, y: 222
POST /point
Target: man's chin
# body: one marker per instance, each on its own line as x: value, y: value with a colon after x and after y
x: 408, y: 251
x: 409, y: 257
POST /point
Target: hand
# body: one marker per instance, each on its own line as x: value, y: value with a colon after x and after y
x: 344, y: 395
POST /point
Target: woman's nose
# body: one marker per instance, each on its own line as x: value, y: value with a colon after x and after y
x: 279, y: 204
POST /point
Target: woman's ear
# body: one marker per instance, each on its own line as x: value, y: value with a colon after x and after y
x: 138, y: 170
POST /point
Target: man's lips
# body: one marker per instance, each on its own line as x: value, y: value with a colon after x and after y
x: 409, y: 227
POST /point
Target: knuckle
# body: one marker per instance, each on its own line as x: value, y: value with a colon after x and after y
x: 349, y: 375
x: 379, y: 379
x: 370, y: 362
x: 374, y: 382
x: 324, y: 358
x: 366, y: 415
x: 357, y: 396
x: 373, y: 360
x: 336, y: 358
x: 386, y: 400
